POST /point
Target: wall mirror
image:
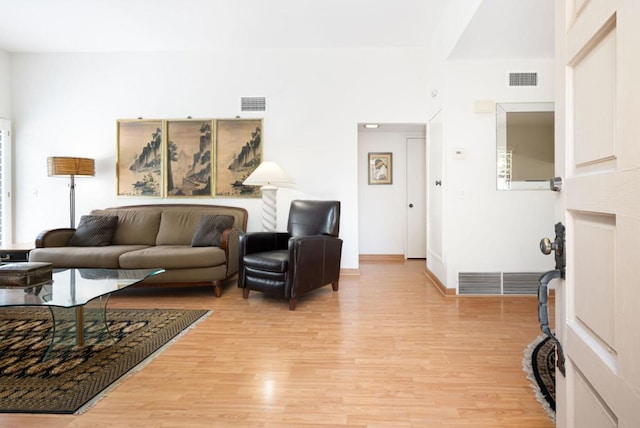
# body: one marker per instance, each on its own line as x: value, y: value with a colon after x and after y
x: 525, y: 145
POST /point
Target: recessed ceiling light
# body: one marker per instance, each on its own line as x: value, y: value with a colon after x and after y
x: 371, y: 125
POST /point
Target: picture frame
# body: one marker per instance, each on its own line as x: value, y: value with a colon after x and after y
x: 140, y: 158
x: 238, y: 148
x: 380, y: 168
x: 189, y: 160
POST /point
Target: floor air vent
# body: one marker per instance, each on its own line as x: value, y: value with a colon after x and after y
x: 523, y: 79
x: 498, y: 283
x: 253, y: 103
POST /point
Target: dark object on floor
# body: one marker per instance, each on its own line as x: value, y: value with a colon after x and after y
x: 539, y: 364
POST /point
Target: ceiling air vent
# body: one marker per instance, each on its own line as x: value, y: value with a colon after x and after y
x: 523, y: 79
x: 253, y: 103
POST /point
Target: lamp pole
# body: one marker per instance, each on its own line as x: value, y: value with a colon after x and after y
x: 72, y: 202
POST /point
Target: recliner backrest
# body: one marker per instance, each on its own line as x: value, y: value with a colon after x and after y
x: 307, y: 218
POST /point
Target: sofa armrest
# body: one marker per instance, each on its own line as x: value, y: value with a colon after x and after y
x: 229, y: 243
x: 54, y: 238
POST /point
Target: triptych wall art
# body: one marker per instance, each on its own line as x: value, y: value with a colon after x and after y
x: 187, y: 157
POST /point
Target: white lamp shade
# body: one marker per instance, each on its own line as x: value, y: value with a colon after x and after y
x: 267, y: 173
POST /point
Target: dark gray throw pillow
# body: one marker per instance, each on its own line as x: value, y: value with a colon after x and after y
x: 94, y: 231
x: 209, y: 230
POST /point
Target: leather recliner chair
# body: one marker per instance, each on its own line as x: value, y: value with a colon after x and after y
x: 290, y: 264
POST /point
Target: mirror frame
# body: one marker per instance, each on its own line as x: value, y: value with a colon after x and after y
x: 503, y: 181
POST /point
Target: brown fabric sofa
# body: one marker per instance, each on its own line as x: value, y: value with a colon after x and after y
x: 153, y: 236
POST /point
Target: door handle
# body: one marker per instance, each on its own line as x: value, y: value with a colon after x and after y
x: 547, y: 246
x: 410, y: 205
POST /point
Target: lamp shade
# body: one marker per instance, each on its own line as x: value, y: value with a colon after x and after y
x: 267, y: 173
x: 68, y: 166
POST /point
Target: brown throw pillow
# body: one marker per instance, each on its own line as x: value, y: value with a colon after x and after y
x: 94, y: 231
x: 209, y: 230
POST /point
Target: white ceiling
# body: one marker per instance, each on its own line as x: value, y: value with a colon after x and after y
x: 178, y: 25
x: 508, y: 29
x: 499, y: 29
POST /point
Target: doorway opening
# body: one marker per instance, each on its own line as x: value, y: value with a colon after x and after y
x: 388, y: 228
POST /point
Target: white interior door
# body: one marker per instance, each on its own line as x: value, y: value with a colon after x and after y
x: 416, y: 199
x: 598, y: 305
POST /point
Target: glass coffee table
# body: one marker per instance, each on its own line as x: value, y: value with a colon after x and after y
x: 73, y: 295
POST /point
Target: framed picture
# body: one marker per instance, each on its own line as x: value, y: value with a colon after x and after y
x: 380, y: 168
x: 189, y: 163
x: 139, y: 158
x: 238, y: 153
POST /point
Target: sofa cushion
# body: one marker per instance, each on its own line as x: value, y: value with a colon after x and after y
x: 94, y: 231
x: 172, y: 257
x: 209, y: 230
x: 178, y: 225
x: 135, y: 225
x: 86, y: 257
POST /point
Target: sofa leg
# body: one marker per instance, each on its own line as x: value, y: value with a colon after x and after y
x: 334, y: 285
x: 245, y: 293
x: 218, y: 288
x: 292, y: 304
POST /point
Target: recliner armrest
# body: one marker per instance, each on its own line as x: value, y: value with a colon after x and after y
x: 257, y: 242
x: 314, y: 244
x: 317, y: 263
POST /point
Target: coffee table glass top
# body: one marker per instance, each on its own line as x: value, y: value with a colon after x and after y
x: 74, y: 287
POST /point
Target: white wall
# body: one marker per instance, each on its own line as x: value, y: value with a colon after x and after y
x: 5, y: 85
x: 67, y: 104
x: 383, y: 208
x: 487, y: 229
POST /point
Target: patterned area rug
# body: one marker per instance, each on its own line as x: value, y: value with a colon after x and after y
x: 539, y: 363
x: 72, y: 378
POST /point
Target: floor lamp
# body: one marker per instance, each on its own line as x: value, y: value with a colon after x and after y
x: 268, y: 175
x: 58, y: 166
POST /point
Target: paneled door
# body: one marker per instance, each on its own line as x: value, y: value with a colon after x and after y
x: 598, y: 136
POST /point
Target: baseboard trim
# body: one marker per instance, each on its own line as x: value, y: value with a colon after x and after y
x: 382, y: 257
x: 447, y: 292
x: 355, y: 272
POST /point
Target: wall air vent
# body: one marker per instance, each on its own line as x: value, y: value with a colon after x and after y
x: 523, y: 79
x: 498, y: 283
x: 253, y: 103
x: 479, y: 283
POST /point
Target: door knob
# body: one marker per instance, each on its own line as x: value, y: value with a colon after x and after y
x: 410, y: 205
x: 547, y: 246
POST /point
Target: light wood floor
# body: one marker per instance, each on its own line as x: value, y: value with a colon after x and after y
x: 387, y: 350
